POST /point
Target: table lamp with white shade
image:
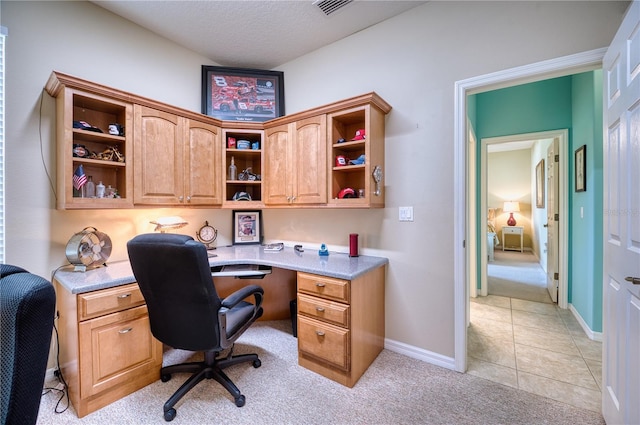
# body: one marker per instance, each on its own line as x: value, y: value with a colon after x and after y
x: 511, y: 207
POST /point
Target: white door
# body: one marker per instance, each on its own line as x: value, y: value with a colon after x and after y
x: 621, y: 171
x: 552, y: 219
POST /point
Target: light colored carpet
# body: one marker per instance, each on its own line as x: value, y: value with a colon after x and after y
x: 517, y: 275
x: 396, y: 389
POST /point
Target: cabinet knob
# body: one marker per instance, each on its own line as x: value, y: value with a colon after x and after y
x: 124, y: 331
x: 180, y: 198
x: 319, y: 309
x: 188, y: 198
x: 319, y: 333
x: 124, y: 296
x: 320, y: 284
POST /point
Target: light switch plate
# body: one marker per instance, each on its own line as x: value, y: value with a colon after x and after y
x: 405, y: 213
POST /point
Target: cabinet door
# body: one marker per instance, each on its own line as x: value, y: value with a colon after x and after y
x: 277, y: 164
x: 159, y: 157
x: 202, y: 168
x: 310, y: 161
x: 115, y: 350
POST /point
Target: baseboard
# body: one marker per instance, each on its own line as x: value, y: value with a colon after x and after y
x: 596, y: 336
x: 420, y: 354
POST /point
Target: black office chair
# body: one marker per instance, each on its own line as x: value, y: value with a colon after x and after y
x: 27, y: 307
x: 185, y: 311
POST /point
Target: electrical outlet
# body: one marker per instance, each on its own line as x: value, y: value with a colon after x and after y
x: 405, y: 213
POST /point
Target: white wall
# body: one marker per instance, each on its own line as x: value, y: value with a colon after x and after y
x: 412, y: 61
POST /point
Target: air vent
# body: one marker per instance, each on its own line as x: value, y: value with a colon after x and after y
x: 330, y: 6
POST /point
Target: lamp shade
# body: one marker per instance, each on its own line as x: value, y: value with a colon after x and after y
x: 511, y: 207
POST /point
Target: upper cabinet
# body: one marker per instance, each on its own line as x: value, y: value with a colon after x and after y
x: 150, y: 153
x: 295, y: 162
x: 176, y: 160
x: 86, y: 147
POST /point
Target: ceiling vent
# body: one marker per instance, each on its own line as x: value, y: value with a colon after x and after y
x: 329, y: 6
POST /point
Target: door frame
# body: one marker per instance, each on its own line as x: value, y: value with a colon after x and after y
x: 465, y: 183
x: 563, y: 210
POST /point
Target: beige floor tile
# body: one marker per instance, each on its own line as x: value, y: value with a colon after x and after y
x: 589, y: 348
x: 561, y: 367
x: 540, y: 321
x: 494, y: 300
x: 492, y: 328
x: 583, y: 398
x: 551, y: 341
x: 491, y: 349
x: 493, y: 372
x: 534, y: 307
x: 490, y: 312
x: 595, y: 367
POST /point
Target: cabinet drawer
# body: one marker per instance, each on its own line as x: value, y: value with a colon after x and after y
x: 98, y: 303
x: 324, y: 341
x: 325, y: 287
x: 512, y: 230
x: 329, y: 311
x: 116, y: 349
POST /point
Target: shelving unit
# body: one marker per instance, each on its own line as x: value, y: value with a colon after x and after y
x: 99, y: 111
x: 343, y: 124
x: 244, y: 159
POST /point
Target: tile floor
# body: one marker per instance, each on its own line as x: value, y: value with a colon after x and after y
x: 536, y: 347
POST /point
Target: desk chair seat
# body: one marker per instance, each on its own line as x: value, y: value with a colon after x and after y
x: 185, y: 311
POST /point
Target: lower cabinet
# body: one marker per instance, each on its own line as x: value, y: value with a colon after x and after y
x: 340, y: 324
x: 107, y: 350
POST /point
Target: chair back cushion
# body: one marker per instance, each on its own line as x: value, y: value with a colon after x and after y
x: 174, y: 276
x: 27, y: 308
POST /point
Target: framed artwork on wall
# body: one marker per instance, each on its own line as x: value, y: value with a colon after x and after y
x: 581, y: 168
x: 239, y: 94
x: 247, y: 227
x: 540, y: 184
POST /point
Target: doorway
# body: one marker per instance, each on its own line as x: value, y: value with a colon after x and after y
x: 534, y: 216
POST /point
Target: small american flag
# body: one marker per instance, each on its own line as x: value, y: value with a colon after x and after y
x: 79, y: 178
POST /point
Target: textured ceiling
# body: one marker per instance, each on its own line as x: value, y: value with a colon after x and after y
x: 254, y: 34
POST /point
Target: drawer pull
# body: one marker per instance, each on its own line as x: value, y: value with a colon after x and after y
x: 124, y: 296
x: 125, y: 331
x: 320, y: 284
x: 319, y: 309
x: 319, y: 333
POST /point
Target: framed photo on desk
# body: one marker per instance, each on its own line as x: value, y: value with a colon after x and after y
x: 247, y: 227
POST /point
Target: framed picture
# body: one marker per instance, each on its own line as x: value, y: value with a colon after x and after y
x: 540, y: 184
x: 581, y: 169
x: 239, y: 94
x: 247, y: 227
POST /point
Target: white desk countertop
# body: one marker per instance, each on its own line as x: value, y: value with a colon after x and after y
x: 338, y: 265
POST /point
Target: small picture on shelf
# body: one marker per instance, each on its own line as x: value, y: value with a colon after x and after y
x: 247, y: 227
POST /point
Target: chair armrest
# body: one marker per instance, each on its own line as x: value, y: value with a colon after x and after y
x: 243, y: 293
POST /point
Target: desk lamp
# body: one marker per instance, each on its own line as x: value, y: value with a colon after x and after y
x: 511, y: 207
x: 168, y: 223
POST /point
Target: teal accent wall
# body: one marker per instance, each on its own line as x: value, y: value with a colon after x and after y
x: 573, y: 102
x: 586, y: 227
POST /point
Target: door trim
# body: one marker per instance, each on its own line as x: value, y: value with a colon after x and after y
x: 563, y: 228
x: 464, y: 182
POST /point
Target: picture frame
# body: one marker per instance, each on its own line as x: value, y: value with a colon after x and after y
x: 242, y: 94
x: 540, y: 184
x: 247, y: 227
x: 581, y: 168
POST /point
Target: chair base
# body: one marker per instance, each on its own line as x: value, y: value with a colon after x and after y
x: 210, y: 368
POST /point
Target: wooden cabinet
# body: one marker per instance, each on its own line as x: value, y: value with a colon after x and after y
x: 244, y: 148
x: 107, y: 350
x: 340, y: 324
x: 366, y: 178
x: 177, y: 159
x: 295, y: 158
x: 104, y: 157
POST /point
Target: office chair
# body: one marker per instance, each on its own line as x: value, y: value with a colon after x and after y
x: 185, y: 311
x: 27, y: 307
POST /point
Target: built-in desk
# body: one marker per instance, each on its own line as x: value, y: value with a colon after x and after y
x: 107, y: 350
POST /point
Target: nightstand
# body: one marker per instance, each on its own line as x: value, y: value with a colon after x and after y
x: 512, y: 230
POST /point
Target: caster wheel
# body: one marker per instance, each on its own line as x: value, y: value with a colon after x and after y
x: 240, y: 401
x: 257, y: 363
x: 169, y: 415
x: 165, y: 378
